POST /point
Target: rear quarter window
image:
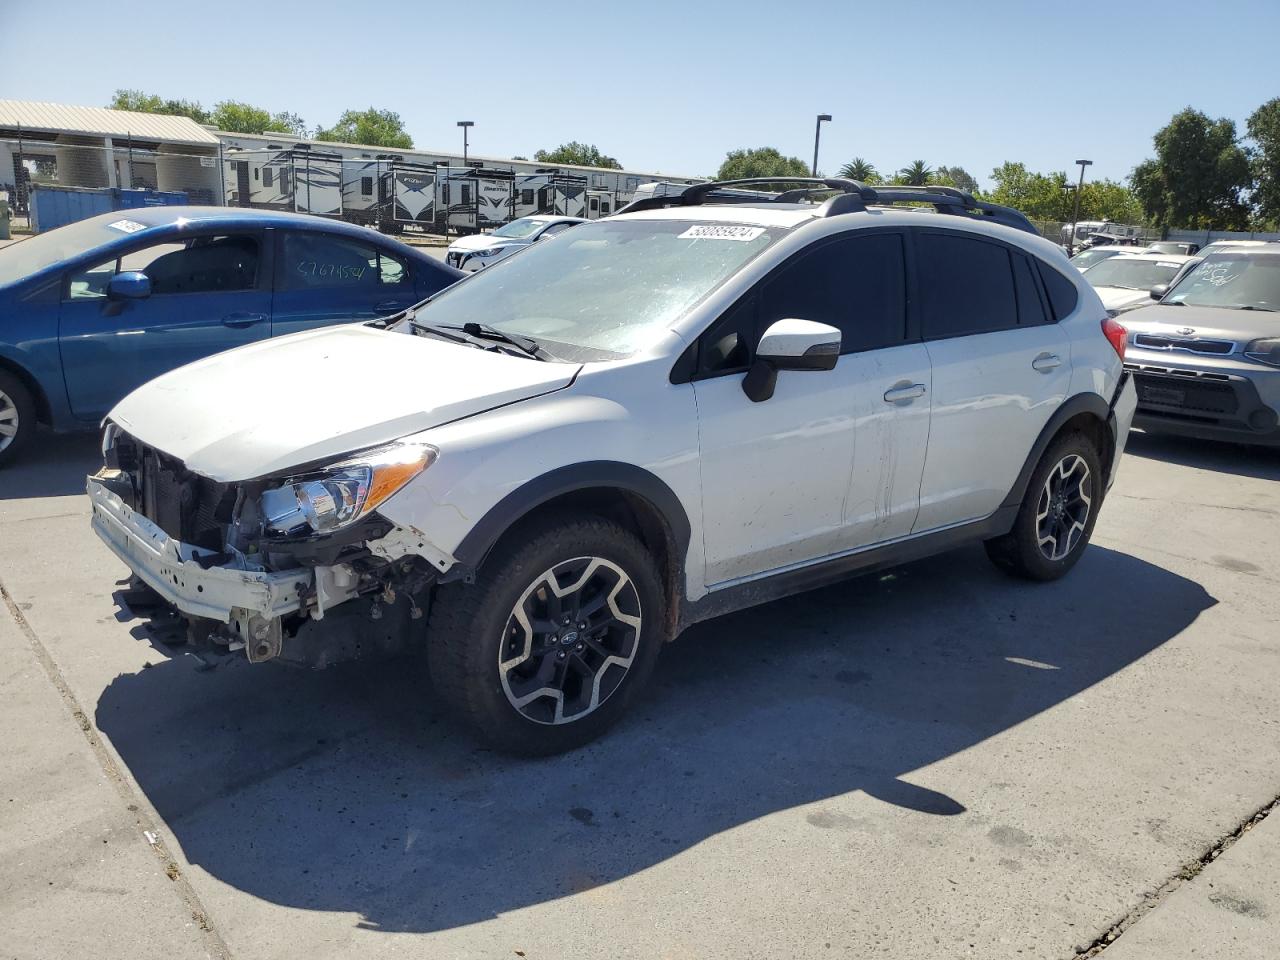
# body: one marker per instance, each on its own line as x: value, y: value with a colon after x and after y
x: 1063, y: 295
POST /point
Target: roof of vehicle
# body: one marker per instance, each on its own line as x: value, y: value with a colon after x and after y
x: 552, y: 218
x: 1110, y: 247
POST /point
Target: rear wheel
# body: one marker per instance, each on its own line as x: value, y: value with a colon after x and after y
x: 1058, y: 511
x: 17, y: 417
x: 554, y: 639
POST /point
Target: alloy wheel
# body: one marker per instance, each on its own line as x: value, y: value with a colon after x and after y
x: 570, y: 640
x: 9, y: 422
x: 1062, y: 512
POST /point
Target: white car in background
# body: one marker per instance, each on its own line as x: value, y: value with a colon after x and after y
x: 1085, y: 259
x: 485, y: 249
x: 1123, y: 283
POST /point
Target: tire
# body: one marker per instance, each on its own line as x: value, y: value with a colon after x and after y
x: 17, y: 417
x: 499, y: 673
x: 1057, y: 514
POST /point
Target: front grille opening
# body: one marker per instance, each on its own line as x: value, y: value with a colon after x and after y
x: 1190, y: 344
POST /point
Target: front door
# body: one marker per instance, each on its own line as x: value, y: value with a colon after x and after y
x: 832, y: 461
x: 209, y: 293
x: 324, y: 278
x: 1000, y: 370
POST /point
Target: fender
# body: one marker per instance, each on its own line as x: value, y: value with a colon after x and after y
x: 1080, y: 403
x: 475, y: 546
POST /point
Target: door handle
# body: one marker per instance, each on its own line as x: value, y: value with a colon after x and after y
x: 239, y: 320
x: 389, y: 306
x: 1046, y: 362
x: 908, y: 391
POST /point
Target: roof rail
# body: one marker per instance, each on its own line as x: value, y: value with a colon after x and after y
x: 854, y: 196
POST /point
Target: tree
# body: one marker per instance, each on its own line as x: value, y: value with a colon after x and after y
x: 1198, y: 177
x: 1264, y: 130
x: 916, y: 174
x: 236, y: 117
x: 760, y: 162
x: 140, y: 102
x: 376, y: 128
x: 861, y: 170
x: 957, y: 177
x: 289, y: 123
x: 577, y: 154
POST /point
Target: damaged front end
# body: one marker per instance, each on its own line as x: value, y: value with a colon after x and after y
x: 261, y: 565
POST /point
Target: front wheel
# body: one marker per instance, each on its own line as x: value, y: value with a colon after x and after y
x: 17, y: 417
x: 1058, y: 511
x: 555, y: 638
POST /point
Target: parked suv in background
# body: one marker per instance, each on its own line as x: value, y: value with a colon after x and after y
x: 1207, y: 357
x: 548, y: 471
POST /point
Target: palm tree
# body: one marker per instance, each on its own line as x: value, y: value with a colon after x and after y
x: 859, y: 169
x: 915, y: 175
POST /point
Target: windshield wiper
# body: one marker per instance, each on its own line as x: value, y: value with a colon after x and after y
x: 526, y: 345
x: 1250, y: 306
x: 444, y: 333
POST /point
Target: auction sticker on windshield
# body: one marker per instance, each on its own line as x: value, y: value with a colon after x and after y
x: 127, y: 226
x: 721, y: 231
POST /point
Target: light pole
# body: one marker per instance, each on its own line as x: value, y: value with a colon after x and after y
x: 465, y: 125
x: 817, y: 132
x: 1075, y: 217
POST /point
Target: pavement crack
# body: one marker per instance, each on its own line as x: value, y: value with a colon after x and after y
x: 147, y: 825
x: 1187, y: 872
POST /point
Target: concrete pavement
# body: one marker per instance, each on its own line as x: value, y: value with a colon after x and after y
x: 934, y: 762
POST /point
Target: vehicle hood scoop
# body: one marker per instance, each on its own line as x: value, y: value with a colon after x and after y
x: 317, y: 395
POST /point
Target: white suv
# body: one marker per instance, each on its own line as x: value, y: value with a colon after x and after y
x: 552, y: 468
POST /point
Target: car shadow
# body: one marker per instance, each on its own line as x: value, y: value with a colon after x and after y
x: 346, y: 790
x: 52, y: 465
x: 1243, y: 460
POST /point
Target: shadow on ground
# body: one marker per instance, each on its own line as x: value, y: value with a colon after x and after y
x: 1261, y: 463
x: 53, y: 465
x: 345, y: 791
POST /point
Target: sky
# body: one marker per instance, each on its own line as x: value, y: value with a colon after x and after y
x: 671, y: 87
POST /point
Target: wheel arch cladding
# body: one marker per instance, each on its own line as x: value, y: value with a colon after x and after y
x: 44, y: 413
x: 1086, y: 412
x: 624, y: 492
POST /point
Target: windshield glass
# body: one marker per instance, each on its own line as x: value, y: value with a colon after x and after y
x: 1232, y: 279
x: 1133, y: 274
x: 602, y: 290
x: 1088, y: 258
x: 518, y: 229
x: 20, y: 260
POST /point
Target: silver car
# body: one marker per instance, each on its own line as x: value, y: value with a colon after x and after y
x: 482, y: 250
x: 1206, y: 358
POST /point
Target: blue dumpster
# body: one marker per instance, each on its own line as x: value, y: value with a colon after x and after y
x: 56, y: 206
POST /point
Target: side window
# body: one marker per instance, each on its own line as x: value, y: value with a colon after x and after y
x: 466, y: 193
x: 313, y: 261
x: 366, y: 186
x: 268, y: 176
x: 1031, y: 310
x: 201, y: 265
x: 526, y: 197
x: 966, y: 286
x: 856, y: 284
x: 727, y: 344
x: 1062, y: 292
x: 555, y: 228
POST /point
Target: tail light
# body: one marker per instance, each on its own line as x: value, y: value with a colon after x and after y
x: 1116, y: 335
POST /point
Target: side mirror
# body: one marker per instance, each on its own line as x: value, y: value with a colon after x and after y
x: 790, y: 344
x: 129, y: 285
x: 1158, y: 291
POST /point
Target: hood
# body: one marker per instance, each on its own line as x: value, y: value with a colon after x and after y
x: 1113, y: 298
x: 1214, y: 323
x: 317, y: 395
x: 477, y: 241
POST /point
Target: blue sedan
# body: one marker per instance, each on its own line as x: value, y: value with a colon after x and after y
x: 94, y: 309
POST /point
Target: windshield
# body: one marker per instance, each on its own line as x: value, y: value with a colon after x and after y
x: 1132, y: 274
x: 20, y: 260
x: 1088, y: 258
x: 602, y: 290
x: 1243, y: 281
x: 519, y: 229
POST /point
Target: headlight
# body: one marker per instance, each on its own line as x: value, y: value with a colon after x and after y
x: 1267, y: 351
x: 486, y: 252
x: 339, y: 495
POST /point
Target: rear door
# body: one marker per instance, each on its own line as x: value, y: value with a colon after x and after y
x: 323, y: 278
x: 209, y: 293
x: 1001, y: 367
x: 831, y: 461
